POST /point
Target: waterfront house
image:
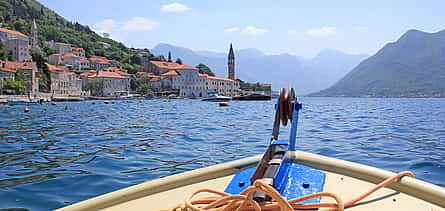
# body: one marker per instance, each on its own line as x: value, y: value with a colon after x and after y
x: 99, y: 63
x: 71, y: 61
x: 59, y: 47
x: 223, y: 86
x: 84, y: 63
x: 30, y: 72
x: 55, y: 59
x: 17, y: 42
x: 6, y: 74
x: 65, y: 83
x: 80, y: 52
x: 110, y: 82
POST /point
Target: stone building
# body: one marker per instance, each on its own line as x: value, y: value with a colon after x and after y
x: 110, y: 82
x: 222, y: 86
x: 30, y: 72
x: 80, y: 52
x: 65, y: 83
x: 99, y: 63
x: 5, y: 73
x: 59, y: 47
x: 17, y: 42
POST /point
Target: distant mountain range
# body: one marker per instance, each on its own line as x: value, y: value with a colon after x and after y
x: 413, y: 66
x: 283, y: 70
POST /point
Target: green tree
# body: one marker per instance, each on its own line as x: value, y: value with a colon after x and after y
x: 145, y: 90
x: 179, y: 61
x: 45, y: 77
x: 5, y: 53
x: 17, y: 86
x: 90, y: 86
x: 203, y: 69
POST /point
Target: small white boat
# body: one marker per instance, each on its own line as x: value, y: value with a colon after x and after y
x: 214, y: 97
x: 21, y: 102
x: 283, y: 173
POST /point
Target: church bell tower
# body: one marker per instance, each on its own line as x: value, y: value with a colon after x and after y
x: 231, y: 63
x: 33, y: 37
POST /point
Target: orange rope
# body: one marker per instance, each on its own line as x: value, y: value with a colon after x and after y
x: 226, y: 202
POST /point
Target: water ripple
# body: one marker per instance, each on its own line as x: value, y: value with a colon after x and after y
x: 51, y: 157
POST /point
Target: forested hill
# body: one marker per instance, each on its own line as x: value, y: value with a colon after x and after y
x: 413, y: 66
x: 18, y: 14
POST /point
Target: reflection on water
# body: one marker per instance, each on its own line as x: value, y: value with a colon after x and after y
x: 51, y: 157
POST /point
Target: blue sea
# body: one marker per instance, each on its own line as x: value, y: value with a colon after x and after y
x: 52, y: 157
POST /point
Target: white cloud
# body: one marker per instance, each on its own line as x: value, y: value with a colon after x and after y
x: 117, y: 29
x: 174, y: 7
x: 362, y: 28
x: 253, y: 30
x: 322, y: 32
x: 105, y: 26
x: 138, y: 24
x: 292, y: 31
x: 232, y: 29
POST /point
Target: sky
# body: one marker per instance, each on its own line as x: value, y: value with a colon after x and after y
x: 297, y: 27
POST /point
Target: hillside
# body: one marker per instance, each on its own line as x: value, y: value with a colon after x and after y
x: 284, y: 70
x: 413, y: 66
x: 18, y: 14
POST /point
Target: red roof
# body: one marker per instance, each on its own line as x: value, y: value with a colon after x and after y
x: 203, y: 75
x: 171, y: 65
x: 146, y: 75
x: 117, y: 70
x: 61, y: 43
x: 53, y: 68
x: 170, y: 73
x: 83, y: 59
x: 12, y: 32
x: 155, y: 79
x: 104, y: 74
x: 54, y: 54
x: 69, y: 55
x: 77, y: 49
x: 18, y: 65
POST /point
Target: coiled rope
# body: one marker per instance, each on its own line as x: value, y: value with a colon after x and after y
x: 243, y: 201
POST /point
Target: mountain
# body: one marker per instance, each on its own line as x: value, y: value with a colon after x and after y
x: 413, y: 66
x: 283, y: 70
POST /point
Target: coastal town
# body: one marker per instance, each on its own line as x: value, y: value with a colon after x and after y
x: 74, y: 76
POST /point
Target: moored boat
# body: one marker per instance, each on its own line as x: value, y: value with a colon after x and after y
x: 21, y: 102
x: 253, y: 97
x: 282, y: 170
x: 215, y: 97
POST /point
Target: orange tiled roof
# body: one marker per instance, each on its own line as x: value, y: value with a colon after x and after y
x: 117, y: 70
x: 170, y: 73
x: 69, y: 55
x: 61, y: 43
x: 83, y: 59
x: 171, y: 65
x: 155, y: 79
x: 103, y: 74
x: 98, y: 57
x: 18, y: 65
x: 146, y: 75
x: 53, y: 68
x: 12, y: 32
x: 77, y: 49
